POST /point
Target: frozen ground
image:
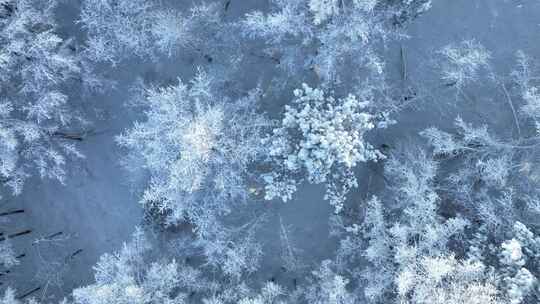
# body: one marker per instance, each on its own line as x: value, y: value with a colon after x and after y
x: 98, y: 211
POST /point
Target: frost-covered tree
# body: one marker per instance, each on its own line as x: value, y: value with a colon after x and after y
x: 518, y: 280
x: 327, y: 287
x: 118, y: 29
x: 196, y: 147
x: 514, y: 260
x: 528, y: 88
x: 35, y: 112
x: 418, y: 230
x: 421, y: 231
x: 130, y: 276
x: 327, y: 36
x: 140, y: 273
x: 271, y: 293
x: 374, y: 236
x: 495, y: 180
x: 491, y: 181
x: 461, y: 63
x: 234, y: 250
x: 321, y: 140
x: 444, y: 279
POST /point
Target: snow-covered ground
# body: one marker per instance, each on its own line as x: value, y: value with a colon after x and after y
x: 96, y: 210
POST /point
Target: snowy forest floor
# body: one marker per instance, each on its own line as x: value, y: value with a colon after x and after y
x: 96, y: 210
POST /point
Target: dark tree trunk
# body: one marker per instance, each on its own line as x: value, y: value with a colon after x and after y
x: 14, y: 235
x: 26, y: 294
x: 12, y: 212
x: 71, y: 136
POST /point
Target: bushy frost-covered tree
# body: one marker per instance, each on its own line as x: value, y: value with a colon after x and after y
x: 234, y: 250
x: 494, y: 184
x: 271, y: 293
x: 120, y: 28
x: 116, y: 28
x: 462, y: 62
x: 528, y: 88
x: 320, y: 139
x: 518, y: 280
x: 139, y: 273
x: 515, y: 261
x: 418, y: 232
x: 128, y: 276
x: 446, y: 280
x: 412, y: 174
x: 327, y: 36
x: 197, y: 147
x: 494, y: 180
x: 467, y: 139
x: 373, y: 235
x: 35, y: 113
x: 327, y: 287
